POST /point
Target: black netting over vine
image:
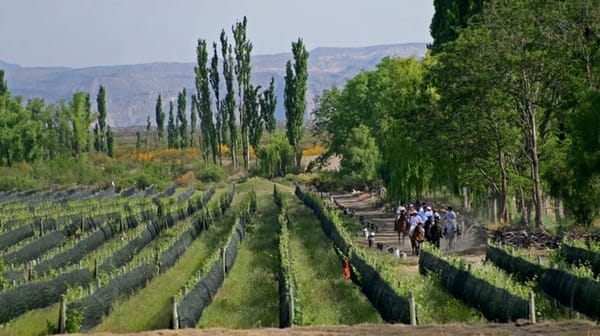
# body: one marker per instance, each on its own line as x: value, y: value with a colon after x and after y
x: 193, y: 304
x: 521, y: 268
x: 495, y: 303
x: 581, y: 294
x: 36, y: 248
x: 12, y: 237
x: 580, y: 256
x: 127, y: 252
x: 77, y: 252
x: 96, y: 305
x: 18, y: 300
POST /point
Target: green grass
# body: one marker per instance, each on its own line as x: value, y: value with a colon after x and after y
x: 150, y: 308
x: 249, y: 296
x: 32, y: 323
x: 326, y: 297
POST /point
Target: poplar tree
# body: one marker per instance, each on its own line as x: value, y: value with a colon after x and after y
x: 207, y: 127
x: 3, y: 84
x: 296, y: 77
x: 171, y: 130
x: 214, y: 83
x: 255, y: 122
x: 228, y: 105
x: 110, y: 142
x: 160, y: 119
x: 268, y: 103
x: 101, y: 100
x: 182, y: 119
x: 243, y: 49
x: 193, y: 119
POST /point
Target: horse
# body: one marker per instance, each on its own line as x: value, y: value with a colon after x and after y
x: 435, y: 233
x: 401, y: 226
x: 417, y: 238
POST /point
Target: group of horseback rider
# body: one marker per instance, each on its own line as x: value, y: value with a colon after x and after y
x: 423, y: 224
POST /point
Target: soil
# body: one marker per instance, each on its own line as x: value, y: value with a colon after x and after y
x: 470, y: 245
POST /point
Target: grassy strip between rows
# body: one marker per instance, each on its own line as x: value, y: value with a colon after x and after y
x: 150, y: 308
x: 327, y: 298
x: 248, y: 297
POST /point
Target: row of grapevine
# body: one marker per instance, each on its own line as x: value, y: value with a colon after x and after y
x: 579, y: 253
x: 199, y: 290
x: 574, y: 291
x: 290, y: 308
x: 93, y: 307
x: 496, y: 304
x: 22, y: 298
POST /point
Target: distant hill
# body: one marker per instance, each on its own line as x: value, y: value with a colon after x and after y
x: 131, y: 90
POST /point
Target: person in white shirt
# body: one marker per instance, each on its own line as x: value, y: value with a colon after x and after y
x: 450, y: 228
x: 414, y: 221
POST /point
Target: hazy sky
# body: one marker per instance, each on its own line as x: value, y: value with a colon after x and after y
x: 81, y: 33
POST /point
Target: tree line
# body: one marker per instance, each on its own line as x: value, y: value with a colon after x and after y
x: 236, y: 118
x: 502, y: 109
x: 34, y: 130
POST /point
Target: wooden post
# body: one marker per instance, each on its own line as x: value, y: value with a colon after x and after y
x: 539, y: 260
x: 62, y: 315
x: 96, y: 268
x: 223, y: 260
x: 411, y: 307
x: 175, y: 314
x: 532, y: 307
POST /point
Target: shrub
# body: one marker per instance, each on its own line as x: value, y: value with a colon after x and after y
x: 212, y: 173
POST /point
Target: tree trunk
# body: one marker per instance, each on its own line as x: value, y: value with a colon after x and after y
x: 465, y: 194
x: 502, y: 197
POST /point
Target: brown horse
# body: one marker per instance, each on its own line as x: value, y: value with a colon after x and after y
x: 417, y: 238
x: 401, y: 226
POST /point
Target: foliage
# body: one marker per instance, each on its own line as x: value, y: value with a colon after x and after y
x: 276, y: 158
x: 296, y: 77
x: 73, y: 322
x: 360, y: 155
x: 212, y: 173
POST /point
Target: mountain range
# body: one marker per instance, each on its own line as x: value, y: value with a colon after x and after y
x: 132, y: 90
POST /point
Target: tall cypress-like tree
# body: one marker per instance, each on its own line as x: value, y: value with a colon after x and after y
x: 228, y: 106
x: 255, y: 121
x: 160, y: 119
x: 110, y: 142
x: 182, y: 119
x: 101, y: 100
x: 214, y: 83
x: 193, y: 120
x: 296, y: 77
x: 268, y: 103
x: 3, y: 84
x: 207, y: 127
x: 243, y: 49
x: 171, y: 129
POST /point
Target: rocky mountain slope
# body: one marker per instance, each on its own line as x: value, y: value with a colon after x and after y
x: 132, y: 90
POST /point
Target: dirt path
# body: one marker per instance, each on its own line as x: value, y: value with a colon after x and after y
x: 470, y: 245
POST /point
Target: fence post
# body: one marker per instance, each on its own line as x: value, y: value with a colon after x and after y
x: 62, y: 315
x: 411, y: 307
x: 532, y: 307
x: 539, y: 260
x: 223, y: 261
x: 175, y: 314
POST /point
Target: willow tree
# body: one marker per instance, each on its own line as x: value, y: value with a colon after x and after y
x: 296, y: 77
